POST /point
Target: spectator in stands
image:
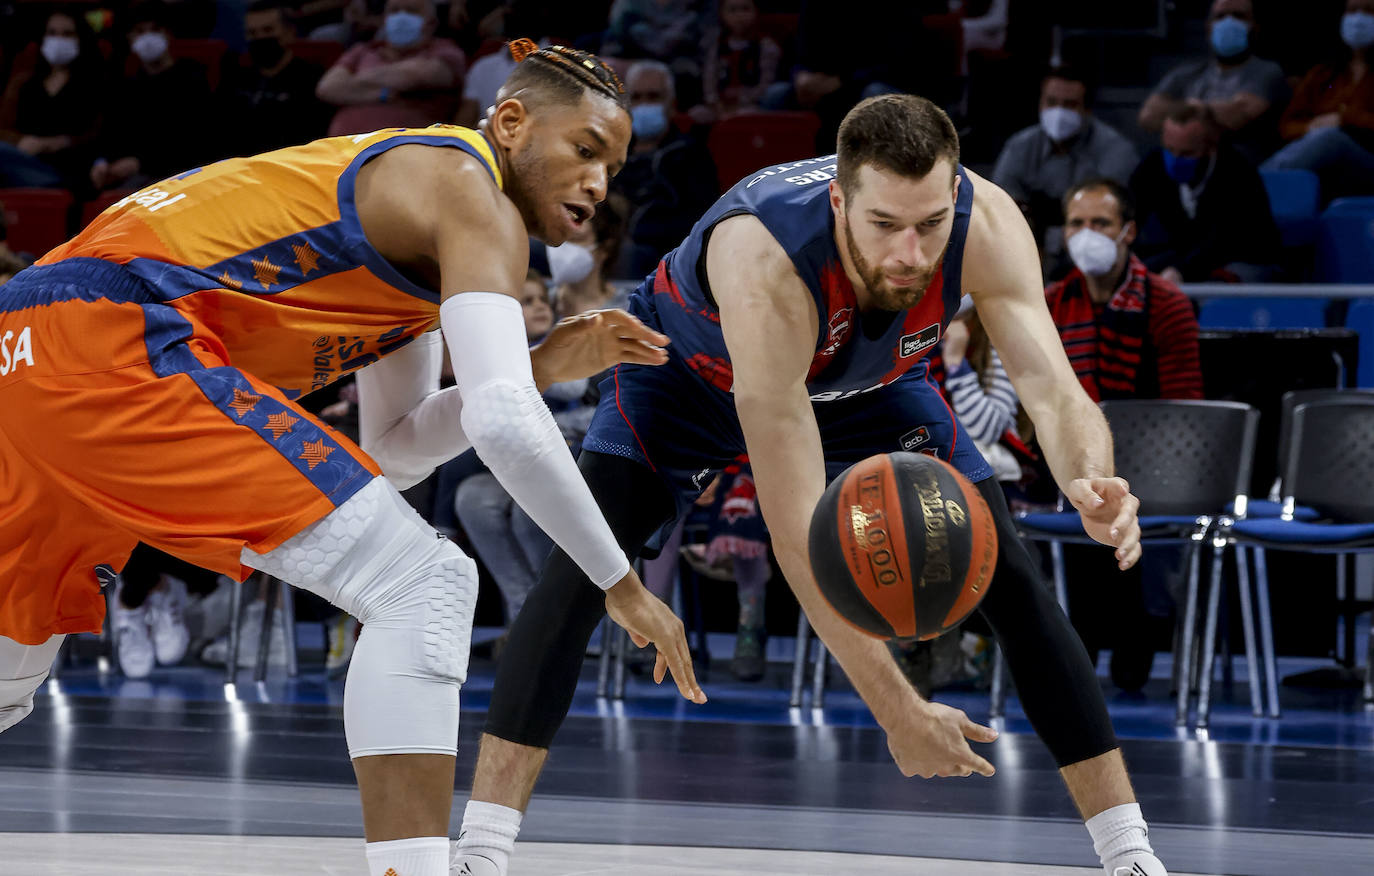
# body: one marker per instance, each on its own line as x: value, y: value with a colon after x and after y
x: 1329, y: 125
x: 1129, y: 333
x: 134, y: 152
x: 1069, y: 145
x: 1246, y: 94
x: 407, y: 78
x: 740, y: 63
x: 271, y: 103
x: 669, y: 179
x: 362, y: 20
x: 50, y: 116
x: 1202, y: 207
x: 486, y: 77
x: 665, y: 29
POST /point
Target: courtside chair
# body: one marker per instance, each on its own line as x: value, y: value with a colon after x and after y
x: 276, y: 590
x: 1329, y: 467
x: 1360, y: 317
x: 1345, y: 242
x: 1264, y: 314
x: 1186, y: 462
x: 1295, y: 199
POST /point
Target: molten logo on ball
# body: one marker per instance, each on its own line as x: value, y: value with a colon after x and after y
x: 936, y: 570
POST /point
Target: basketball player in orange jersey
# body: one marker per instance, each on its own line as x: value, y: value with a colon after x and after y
x: 148, y: 369
x: 800, y: 309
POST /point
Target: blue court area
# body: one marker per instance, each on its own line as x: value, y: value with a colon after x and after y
x: 134, y: 772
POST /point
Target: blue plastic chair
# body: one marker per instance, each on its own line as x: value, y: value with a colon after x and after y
x: 1263, y: 313
x: 1345, y: 242
x: 1185, y: 461
x: 1295, y: 200
x: 1328, y: 466
x: 1360, y: 317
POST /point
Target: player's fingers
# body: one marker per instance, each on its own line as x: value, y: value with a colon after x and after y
x: 640, y: 641
x: 643, y: 354
x: 630, y: 327
x: 981, y: 766
x: 1082, y: 495
x: 1132, y: 557
x: 660, y: 668
x: 977, y: 732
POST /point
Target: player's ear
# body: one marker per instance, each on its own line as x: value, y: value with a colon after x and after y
x: 509, y: 123
x: 836, y: 197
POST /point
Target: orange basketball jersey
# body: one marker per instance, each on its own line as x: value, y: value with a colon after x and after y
x: 267, y: 254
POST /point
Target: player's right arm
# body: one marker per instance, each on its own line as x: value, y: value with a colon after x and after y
x: 770, y: 325
x: 440, y: 214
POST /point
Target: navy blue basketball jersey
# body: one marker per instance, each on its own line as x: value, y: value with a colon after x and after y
x: 792, y: 201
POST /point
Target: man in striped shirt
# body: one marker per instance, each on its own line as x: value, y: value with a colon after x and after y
x: 1129, y: 333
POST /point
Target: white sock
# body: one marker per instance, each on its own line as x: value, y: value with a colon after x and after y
x: 1121, y: 839
x: 489, y: 830
x: 420, y: 856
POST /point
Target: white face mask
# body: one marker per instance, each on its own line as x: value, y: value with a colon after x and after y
x: 570, y: 263
x: 59, y: 51
x: 1060, y: 123
x: 150, y: 46
x: 1093, y: 252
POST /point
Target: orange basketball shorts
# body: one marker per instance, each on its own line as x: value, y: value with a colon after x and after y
x: 122, y: 420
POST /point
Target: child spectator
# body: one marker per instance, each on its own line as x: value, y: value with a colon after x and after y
x: 739, y: 65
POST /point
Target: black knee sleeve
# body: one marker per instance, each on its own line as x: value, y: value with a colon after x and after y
x: 1054, y: 678
x: 543, y: 657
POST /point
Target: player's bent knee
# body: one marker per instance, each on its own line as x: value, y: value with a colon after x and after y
x: 415, y: 592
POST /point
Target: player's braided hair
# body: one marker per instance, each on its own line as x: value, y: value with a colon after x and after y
x: 573, y: 66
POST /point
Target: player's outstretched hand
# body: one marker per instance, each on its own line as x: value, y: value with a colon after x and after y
x: 933, y: 741
x: 647, y: 619
x: 1109, y: 515
x: 589, y: 343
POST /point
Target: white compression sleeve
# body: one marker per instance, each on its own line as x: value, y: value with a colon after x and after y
x: 405, y: 422
x: 515, y: 434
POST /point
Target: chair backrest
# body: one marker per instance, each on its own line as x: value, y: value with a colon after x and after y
x: 1263, y: 313
x: 1295, y: 397
x: 1330, y: 462
x: 1345, y: 242
x: 36, y: 219
x: 744, y: 143
x: 320, y: 52
x: 1295, y: 199
x: 1360, y: 317
x: 1183, y: 457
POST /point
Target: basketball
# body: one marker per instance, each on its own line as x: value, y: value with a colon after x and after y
x: 903, y: 546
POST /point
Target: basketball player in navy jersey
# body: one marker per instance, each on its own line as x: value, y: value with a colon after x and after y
x: 800, y: 309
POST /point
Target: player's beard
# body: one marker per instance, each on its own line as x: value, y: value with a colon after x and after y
x: 526, y: 186
x: 885, y: 295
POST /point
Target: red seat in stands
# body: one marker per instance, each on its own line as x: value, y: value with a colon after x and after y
x: 36, y: 219
x: 744, y: 143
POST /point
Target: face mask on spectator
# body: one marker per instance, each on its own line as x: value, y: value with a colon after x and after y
x: 59, y: 51
x: 265, y: 51
x: 1093, y: 252
x: 1180, y: 169
x: 1357, y: 29
x: 648, y: 120
x: 1060, y: 123
x: 570, y: 263
x: 403, y: 29
x: 150, y: 46
x: 1230, y: 37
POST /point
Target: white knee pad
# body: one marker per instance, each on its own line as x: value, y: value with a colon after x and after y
x: 23, y: 668
x: 414, y: 591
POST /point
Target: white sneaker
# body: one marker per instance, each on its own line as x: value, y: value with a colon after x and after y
x: 1146, y: 865
x: 250, y: 633
x: 471, y: 865
x: 133, y: 640
x: 166, y: 619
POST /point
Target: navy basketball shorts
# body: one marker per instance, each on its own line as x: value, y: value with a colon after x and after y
x: 687, y: 432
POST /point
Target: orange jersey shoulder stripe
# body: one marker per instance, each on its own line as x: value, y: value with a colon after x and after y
x: 267, y: 253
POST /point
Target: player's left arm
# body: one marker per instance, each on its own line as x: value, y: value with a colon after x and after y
x: 1002, y: 273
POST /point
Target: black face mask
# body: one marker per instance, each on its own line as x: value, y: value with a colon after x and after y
x: 265, y: 52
